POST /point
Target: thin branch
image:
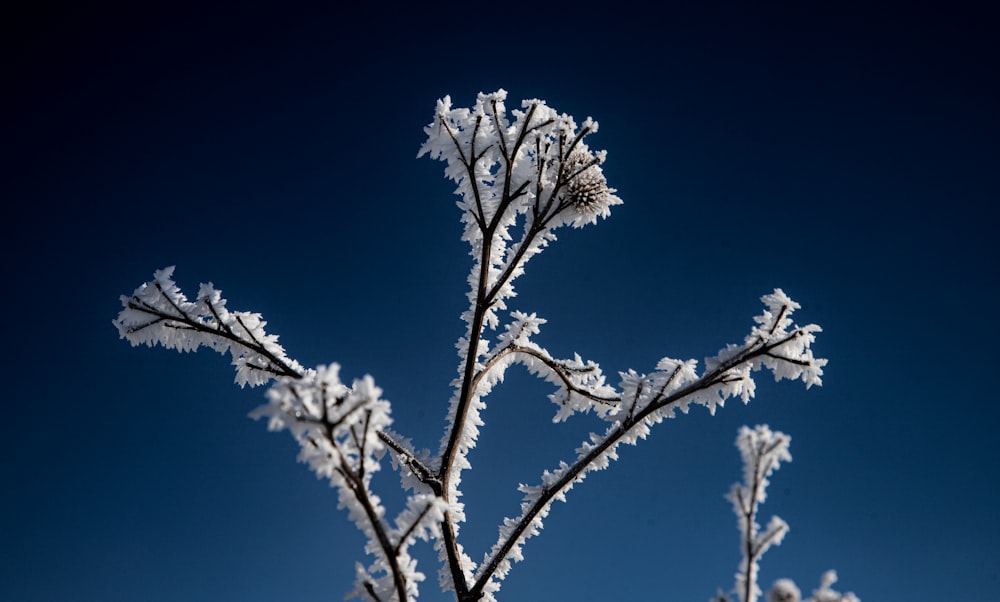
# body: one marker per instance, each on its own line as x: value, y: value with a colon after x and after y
x: 218, y: 320
x: 361, y: 450
x: 766, y: 542
x: 635, y: 401
x: 424, y: 474
x: 184, y: 321
x: 470, y: 168
x: 502, y: 135
x: 557, y: 367
x: 409, y: 531
x: 670, y: 379
x: 480, y: 217
x: 364, y: 442
x: 750, y: 527
x: 169, y: 300
x: 579, y: 467
x: 560, y: 370
x: 507, y: 198
x: 370, y: 589
x: 790, y: 360
x: 543, y: 500
x: 356, y: 484
x: 777, y: 321
x: 450, y: 538
x: 530, y: 234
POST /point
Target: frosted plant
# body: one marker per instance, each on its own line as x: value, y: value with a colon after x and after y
x: 762, y: 451
x: 827, y: 594
x: 520, y: 175
x: 785, y: 590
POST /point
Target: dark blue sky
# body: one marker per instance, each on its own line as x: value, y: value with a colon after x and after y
x: 848, y: 155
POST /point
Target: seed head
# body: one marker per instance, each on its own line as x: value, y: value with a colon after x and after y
x: 586, y: 187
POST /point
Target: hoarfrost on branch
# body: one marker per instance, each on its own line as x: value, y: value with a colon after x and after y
x: 520, y: 175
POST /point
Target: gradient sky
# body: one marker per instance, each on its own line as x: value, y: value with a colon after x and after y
x: 846, y: 155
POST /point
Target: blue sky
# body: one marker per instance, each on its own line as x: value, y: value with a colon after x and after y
x: 845, y: 154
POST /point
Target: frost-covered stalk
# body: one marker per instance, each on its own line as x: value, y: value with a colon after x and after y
x: 536, y: 172
x: 762, y: 451
x: 520, y: 176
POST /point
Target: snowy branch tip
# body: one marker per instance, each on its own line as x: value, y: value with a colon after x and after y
x: 158, y: 313
x: 536, y: 164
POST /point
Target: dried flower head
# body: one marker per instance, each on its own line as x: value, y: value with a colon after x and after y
x: 586, y: 187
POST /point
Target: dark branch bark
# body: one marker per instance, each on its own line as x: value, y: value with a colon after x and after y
x: 556, y: 366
